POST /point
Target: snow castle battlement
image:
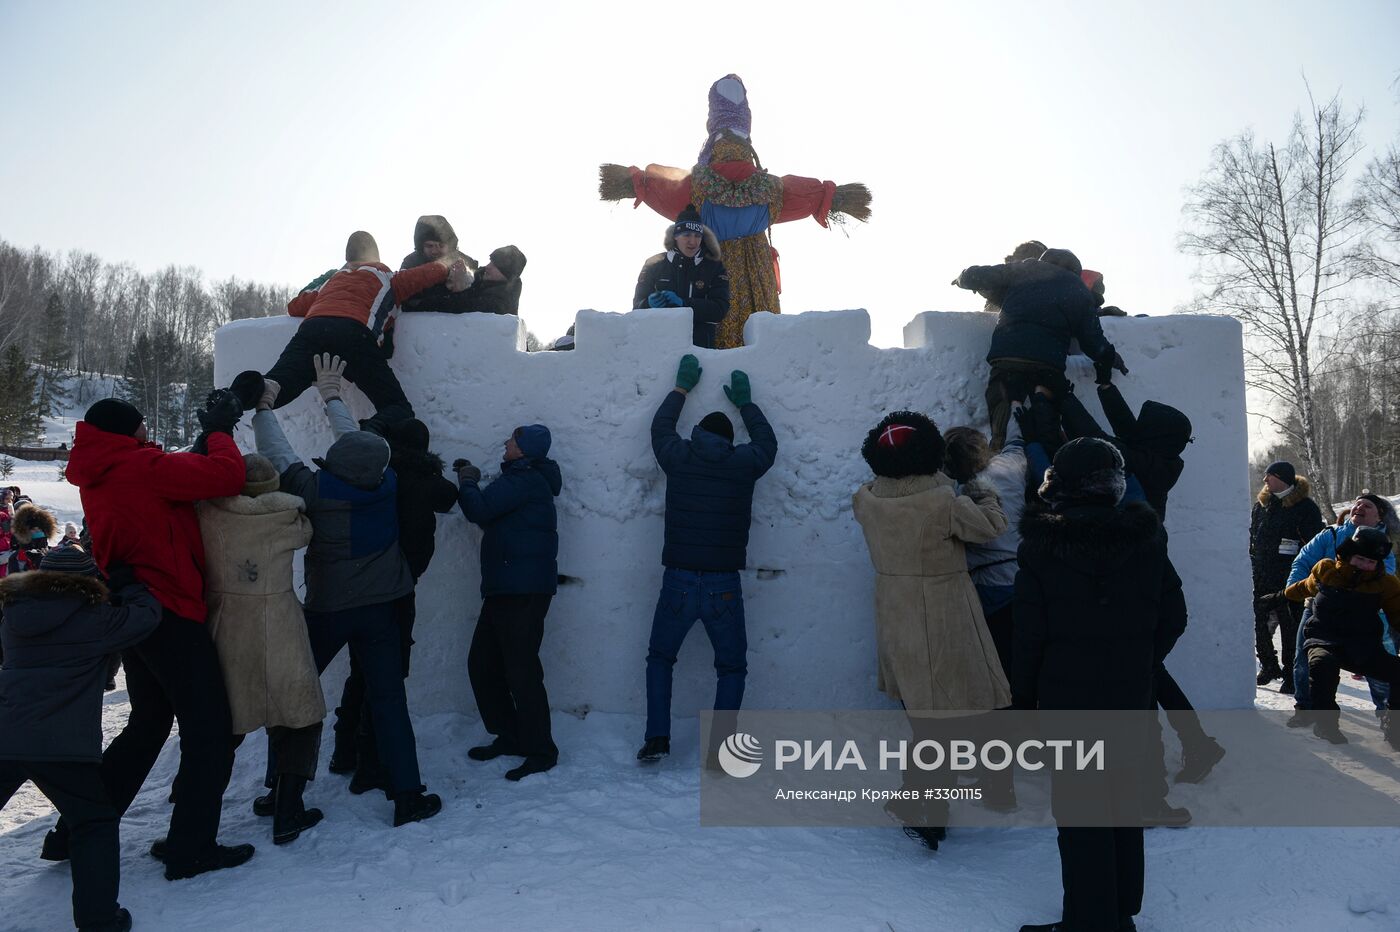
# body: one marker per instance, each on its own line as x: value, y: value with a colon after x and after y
x: 809, y: 583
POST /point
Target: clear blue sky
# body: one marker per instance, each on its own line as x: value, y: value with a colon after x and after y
x: 249, y: 139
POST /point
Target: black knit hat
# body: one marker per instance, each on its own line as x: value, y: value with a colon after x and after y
x: 717, y: 422
x: 1283, y: 471
x: 1369, y: 542
x: 70, y: 559
x: 510, y: 260
x: 114, y: 416
x: 688, y: 221
x: 411, y: 434
x: 904, y: 443
x: 1087, y: 471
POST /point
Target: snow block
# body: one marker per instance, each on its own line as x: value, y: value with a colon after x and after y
x: 809, y: 584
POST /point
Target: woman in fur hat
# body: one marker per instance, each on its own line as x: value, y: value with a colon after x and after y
x: 33, y: 531
x: 935, y: 651
x: 260, y: 634
x: 1098, y: 607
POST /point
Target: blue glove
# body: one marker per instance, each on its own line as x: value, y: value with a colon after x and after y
x: 665, y: 299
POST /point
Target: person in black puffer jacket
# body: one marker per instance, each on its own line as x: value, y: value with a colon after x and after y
x: 60, y: 624
x: 519, y: 576
x: 709, y: 507
x: 423, y: 493
x: 688, y: 274
x: 1098, y: 606
x: 1044, y: 305
x: 1284, y: 518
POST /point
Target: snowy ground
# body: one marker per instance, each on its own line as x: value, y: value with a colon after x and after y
x: 601, y: 843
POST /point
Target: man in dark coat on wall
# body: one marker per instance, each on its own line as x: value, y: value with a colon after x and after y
x: 519, y: 576
x: 1044, y: 305
x: 1284, y: 518
x: 688, y: 274
x: 139, y: 504
x: 1098, y: 606
x: 60, y: 624
x: 709, y: 507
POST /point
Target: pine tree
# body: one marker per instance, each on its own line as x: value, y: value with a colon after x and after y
x: 21, y: 422
x: 148, y: 383
x: 54, y: 353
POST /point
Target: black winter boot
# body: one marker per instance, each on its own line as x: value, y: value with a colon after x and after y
x: 264, y: 806
x: 344, y: 758
x: 248, y: 386
x: 290, y: 817
x: 1301, y: 718
x: 415, y: 807
x: 1161, y: 813
x: 1198, y: 758
x: 1327, y: 726
x: 654, y: 749
x: 534, y: 763
x: 120, y: 922
x: 497, y: 748
x: 1268, y: 673
x: 1286, y: 687
x: 55, y: 847
x: 221, y: 858
x: 1390, y: 727
x: 928, y: 836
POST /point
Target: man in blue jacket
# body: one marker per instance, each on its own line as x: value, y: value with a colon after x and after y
x: 709, y: 506
x: 519, y: 576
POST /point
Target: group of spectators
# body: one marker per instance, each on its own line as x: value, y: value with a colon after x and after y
x: 1331, y: 594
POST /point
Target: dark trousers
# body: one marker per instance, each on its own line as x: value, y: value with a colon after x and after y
x: 1369, y: 659
x: 1014, y: 380
x: 1102, y: 870
x: 295, y: 750
x: 506, y: 674
x: 373, y: 634
x: 1288, y: 618
x: 352, y: 719
x: 365, y: 366
x: 717, y: 601
x: 174, y: 675
x: 1181, y: 715
x: 77, y: 792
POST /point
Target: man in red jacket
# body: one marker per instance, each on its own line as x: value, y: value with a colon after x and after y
x: 139, y: 506
x: 347, y: 313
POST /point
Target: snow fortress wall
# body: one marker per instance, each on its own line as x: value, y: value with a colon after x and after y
x: 809, y: 584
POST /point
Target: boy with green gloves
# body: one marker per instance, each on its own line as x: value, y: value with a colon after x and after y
x: 709, y: 506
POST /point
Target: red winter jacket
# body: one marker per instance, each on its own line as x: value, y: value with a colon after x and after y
x: 139, y: 503
x: 358, y: 290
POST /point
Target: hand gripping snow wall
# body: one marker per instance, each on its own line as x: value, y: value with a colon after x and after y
x: 809, y: 583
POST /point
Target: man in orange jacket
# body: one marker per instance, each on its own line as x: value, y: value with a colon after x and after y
x: 347, y: 314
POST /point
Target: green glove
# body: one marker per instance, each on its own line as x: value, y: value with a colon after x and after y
x: 689, y: 372
x: 738, y: 391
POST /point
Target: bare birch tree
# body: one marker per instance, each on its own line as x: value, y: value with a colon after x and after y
x: 1277, y: 235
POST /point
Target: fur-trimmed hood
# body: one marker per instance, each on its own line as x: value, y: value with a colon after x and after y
x: 709, y: 243
x: 1089, y: 534
x: 76, y: 590
x: 28, y: 519
x: 266, y: 504
x: 1302, y: 489
x: 434, y: 227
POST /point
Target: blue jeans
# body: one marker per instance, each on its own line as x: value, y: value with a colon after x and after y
x: 717, y: 600
x: 1302, y: 689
